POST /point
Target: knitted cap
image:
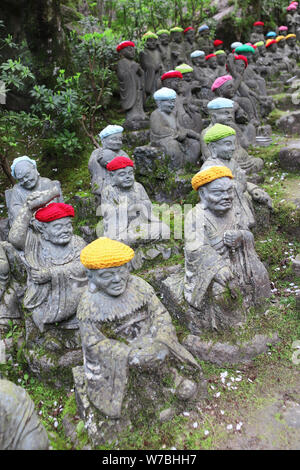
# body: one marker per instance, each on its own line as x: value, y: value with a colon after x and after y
x: 210, y: 174
x: 176, y: 29
x: 244, y: 49
x: 125, y: 44
x: 220, y: 81
x: 218, y: 132
x: 209, y: 56
x: 148, y: 35
x: 259, y: 23
x: 197, y: 54
x: 220, y: 103
x: 190, y: 28
x: 282, y: 28
x: 291, y: 7
x: 271, y: 34
x: 109, y: 130
x: 218, y: 42
x: 204, y: 27
x: 164, y: 94
x: 171, y: 74
x: 162, y: 31
x: 259, y: 44
x: 219, y: 52
x: 54, y: 211
x: 119, y: 162
x: 270, y: 42
x: 290, y: 36
x: 236, y: 44
x: 242, y: 57
x: 184, y: 68
x: 105, y: 253
x: 280, y: 38
x: 18, y: 160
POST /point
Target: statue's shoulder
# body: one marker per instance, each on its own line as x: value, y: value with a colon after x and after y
x: 78, y: 242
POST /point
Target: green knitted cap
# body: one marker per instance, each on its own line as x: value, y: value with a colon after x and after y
x: 184, y: 68
x: 220, y: 52
x: 259, y: 43
x: 218, y: 132
x: 162, y: 31
x: 148, y: 35
x: 244, y: 48
x: 177, y: 29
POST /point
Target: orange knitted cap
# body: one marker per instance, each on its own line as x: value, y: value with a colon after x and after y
x: 210, y: 174
x: 105, y: 253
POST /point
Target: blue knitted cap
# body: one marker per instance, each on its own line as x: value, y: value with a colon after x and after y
x: 197, y: 54
x: 109, y: 130
x: 18, y: 160
x: 164, y: 94
x: 220, y: 103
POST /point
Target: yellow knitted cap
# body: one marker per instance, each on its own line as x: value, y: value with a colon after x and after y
x: 105, y: 253
x: 210, y: 174
x: 290, y: 36
x: 280, y: 38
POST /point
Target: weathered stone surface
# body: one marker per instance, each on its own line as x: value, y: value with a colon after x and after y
x: 225, y: 353
x: 289, y: 157
x: 166, y: 415
x: 147, y: 159
x: 290, y: 124
x: 137, y: 138
x: 4, y: 229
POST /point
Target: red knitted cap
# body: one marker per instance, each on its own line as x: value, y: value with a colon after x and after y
x: 273, y: 41
x: 209, y: 56
x: 188, y: 29
x: 124, y: 44
x: 171, y: 74
x: 54, y: 211
x: 119, y: 162
x: 218, y: 42
x: 242, y: 57
x: 259, y: 23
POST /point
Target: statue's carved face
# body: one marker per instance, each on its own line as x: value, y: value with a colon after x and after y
x: 262, y: 50
x: 223, y: 116
x: 123, y: 178
x: 273, y: 48
x: 212, y: 63
x: 240, y: 66
x: 113, y: 142
x: 217, y: 196
x: 221, y: 59
x: 26, y: 174
x: 291, y: 42
x: 164, y: 39
x: 176, y: 37
x: 190, y: 36
x: 187, y: 77
x: 112, y: 281
x: 58, y: 232
x: 199, y: 61
x: 128, y: 52
x: 227, y: 90
x: 281, y: 44
x: 151, y: 43
x: 204, y: 33
x: 259, y: 29
x: 223, y: 148
x: 166, y: 106
x: 175, y: 83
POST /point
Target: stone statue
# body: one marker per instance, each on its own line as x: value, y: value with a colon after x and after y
x: 24, y: 170
x: 164, y: 48
x: 283, y: 30
x: 19, y: 424
x: 221, y: 143
x: 189, y: 42
x: 258, y: 32
x: 188, y: 89
x: 123, y: 326
x: 291, y: 18
x: 126, y: 208
x: 221, y: 61
x: 222, y: 111
x: 223, y: 274
x: 212, y: 64
x: 177, y: 46
x: 293, y: 49
x: 264, y: 64
x: 166, y: 132
x: 202, y: 75
x: 111, y: 140
x: 203, y: 40
x: 151, y: 62
x: 132, y: 87
x: 55, y: 277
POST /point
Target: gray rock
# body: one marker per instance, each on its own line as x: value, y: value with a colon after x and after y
x: 289, y: 157
x: 289, y: 124
x: 186, y: 390
x: 166, y: 415
x: 146, y: 159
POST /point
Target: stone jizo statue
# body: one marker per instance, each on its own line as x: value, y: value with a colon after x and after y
x: 164, y: 48
x: 151, y: 62
x: 189, y: 41
x: 223, y: 274
x: 258, y: 32
x: 123, y: 326
x: 177, y: 46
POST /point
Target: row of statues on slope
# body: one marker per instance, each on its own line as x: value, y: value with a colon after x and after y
x: 138, y: 81
x: 122, y: 322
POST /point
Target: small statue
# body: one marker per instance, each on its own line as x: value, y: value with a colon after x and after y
x: 55, y: 277
x: 164, y: 48
x: 189, y: 41
x: 127, y: 209
x: 177, y: 46
x: 258, y: 32
x: 212, y: 64
x: 151, y: 62
x: 203, y: 40
x: 188, y: 89
x: 166, y: 132
x: 24, y: 170
x: 283, y: 30
x: 293, y: 49
x: 202, y: 75
x: 123, y: 325
x: 111, y: 140
x: 132, y: 87
x: 221, y: 61
x: 223, y: 274
x: 19, y: 423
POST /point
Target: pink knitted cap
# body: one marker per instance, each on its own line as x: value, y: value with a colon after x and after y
x: 220, y: 81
